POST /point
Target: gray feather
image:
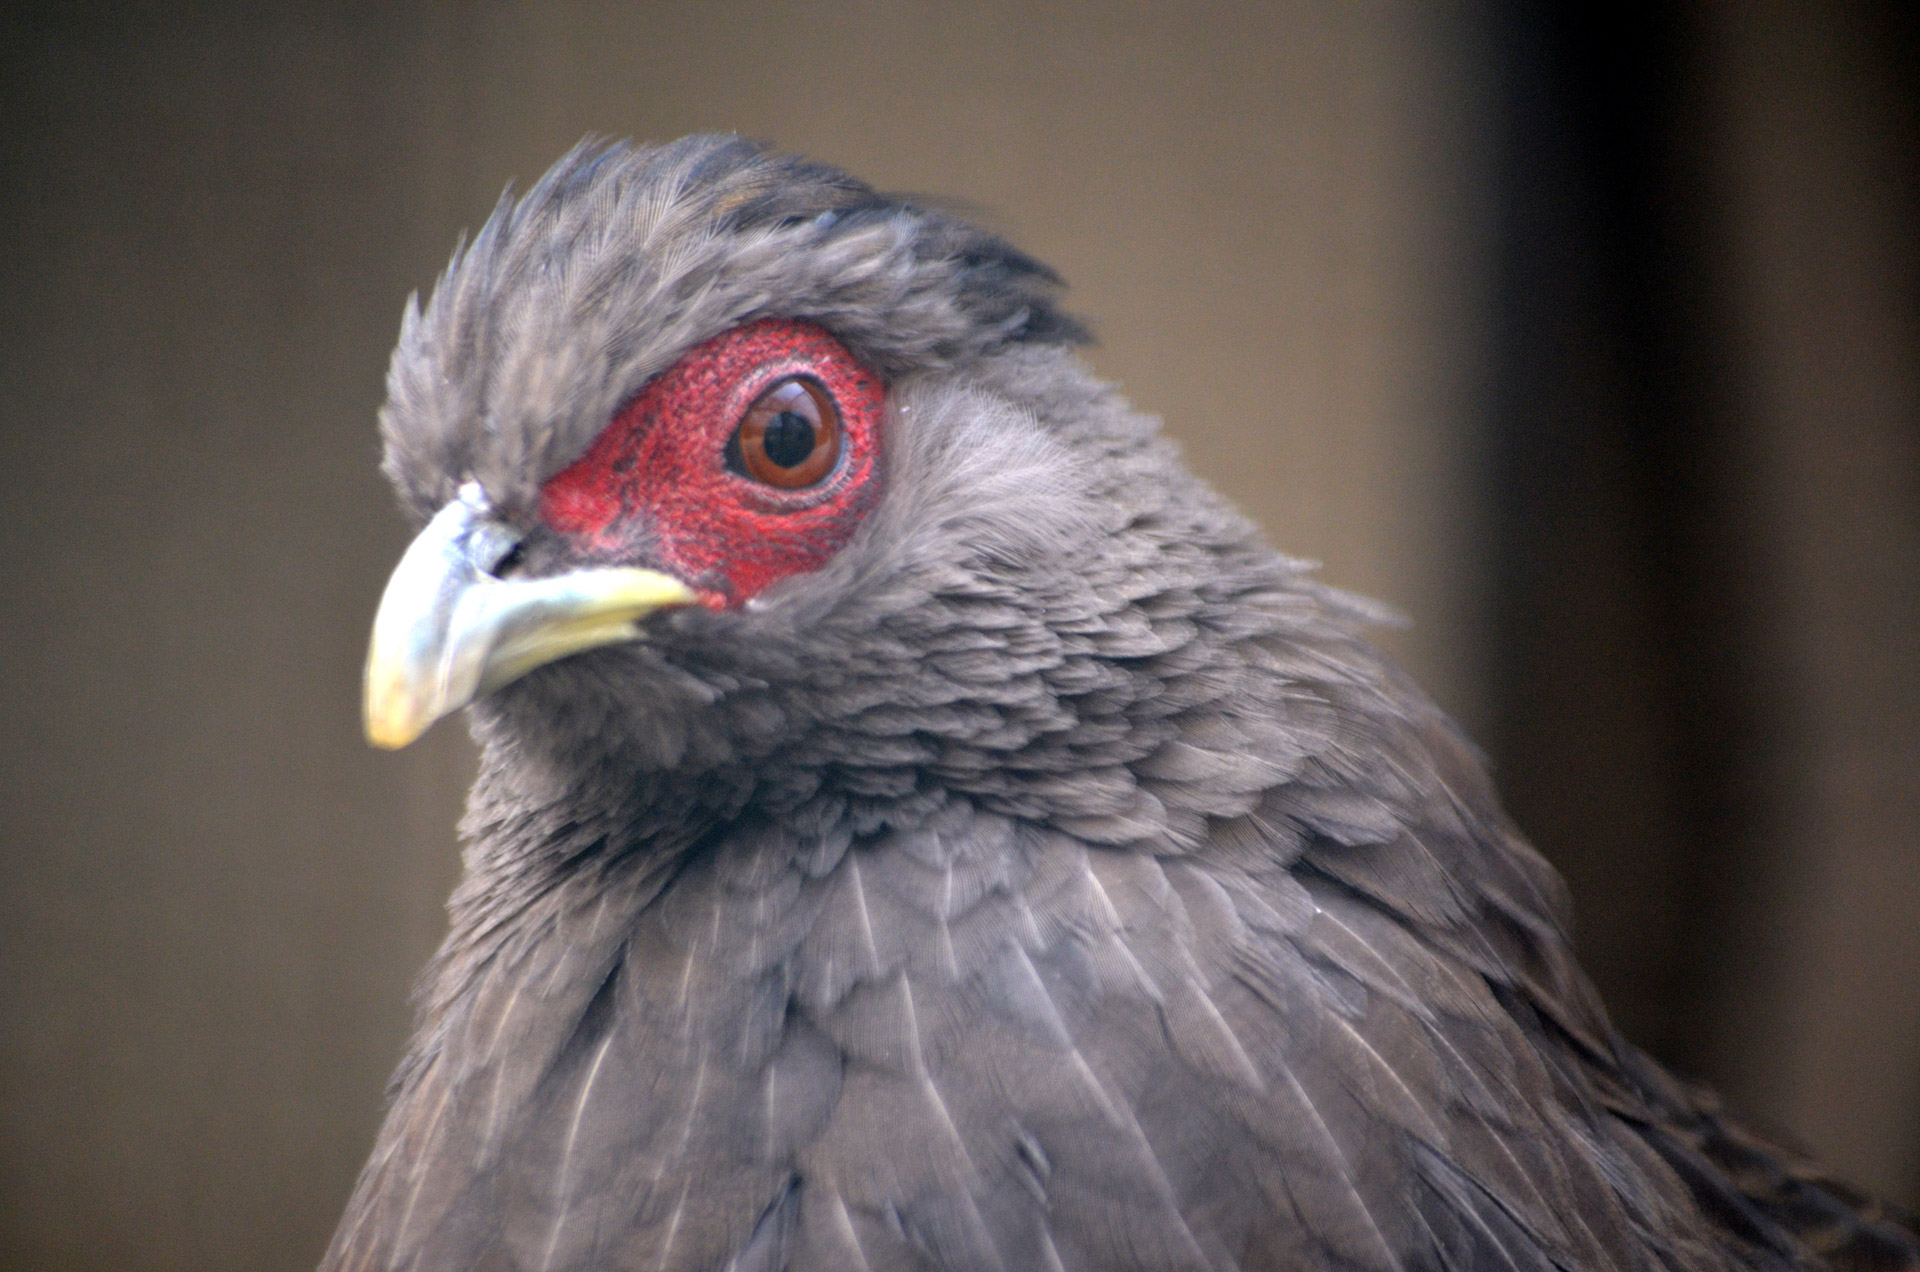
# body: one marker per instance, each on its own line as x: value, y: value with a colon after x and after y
x: 1055, y: 879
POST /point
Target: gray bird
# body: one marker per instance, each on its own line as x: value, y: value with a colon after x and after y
x: 921, y: 826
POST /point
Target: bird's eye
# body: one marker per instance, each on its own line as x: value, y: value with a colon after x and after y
x: 790, y: 436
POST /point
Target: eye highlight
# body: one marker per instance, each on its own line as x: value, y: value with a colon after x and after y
x: 790, y: 436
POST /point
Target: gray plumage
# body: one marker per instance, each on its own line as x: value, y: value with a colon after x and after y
x: 1055, y: 879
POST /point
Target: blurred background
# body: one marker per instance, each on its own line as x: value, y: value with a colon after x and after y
x: 1592, y: 345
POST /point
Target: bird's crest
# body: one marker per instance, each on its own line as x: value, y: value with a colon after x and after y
x: 574, y: 295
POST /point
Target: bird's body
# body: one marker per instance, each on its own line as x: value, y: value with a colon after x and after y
x: 1016, y: 866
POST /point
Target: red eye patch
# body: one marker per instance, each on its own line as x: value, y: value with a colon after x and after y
x: 657, y: 483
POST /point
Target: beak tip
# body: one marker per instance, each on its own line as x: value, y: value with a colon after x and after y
x: 388, y: 732
x: 393, y: 712
x: 384, y: 741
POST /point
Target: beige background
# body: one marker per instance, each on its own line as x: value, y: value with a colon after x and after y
x: 1284, y: 222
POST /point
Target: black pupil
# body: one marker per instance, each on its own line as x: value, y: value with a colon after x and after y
x: 789, y: 439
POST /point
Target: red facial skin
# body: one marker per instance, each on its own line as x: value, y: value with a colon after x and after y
x: 661, y: 466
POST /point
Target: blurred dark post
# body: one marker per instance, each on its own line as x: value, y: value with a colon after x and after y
x: 1708, y: 476
x: 1810, y: 145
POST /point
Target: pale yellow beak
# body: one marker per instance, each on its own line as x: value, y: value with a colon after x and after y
x: 449, y: 632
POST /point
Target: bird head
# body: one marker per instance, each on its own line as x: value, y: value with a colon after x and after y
x: 729, y: 464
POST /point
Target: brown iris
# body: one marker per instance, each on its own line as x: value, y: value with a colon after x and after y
x: 790, y: 436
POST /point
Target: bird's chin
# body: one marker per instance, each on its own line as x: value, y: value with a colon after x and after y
x: 622, y: 709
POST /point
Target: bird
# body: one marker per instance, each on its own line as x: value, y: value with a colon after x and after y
x: 920, y: 825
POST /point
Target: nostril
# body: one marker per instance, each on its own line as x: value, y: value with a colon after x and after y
x: 493, y: 548
x: 510, y: 562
